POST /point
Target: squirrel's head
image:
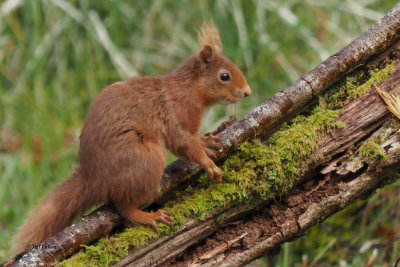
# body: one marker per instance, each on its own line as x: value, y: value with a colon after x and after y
x: 221, y: 81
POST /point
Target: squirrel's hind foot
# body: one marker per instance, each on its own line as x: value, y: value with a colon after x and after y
x: 135, y: 215
x: 161, y: 216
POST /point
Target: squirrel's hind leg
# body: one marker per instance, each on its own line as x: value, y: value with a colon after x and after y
x: 141, y: 175
x: 135, y: 215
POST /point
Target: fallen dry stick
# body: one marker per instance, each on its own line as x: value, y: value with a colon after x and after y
x: 221, y: 248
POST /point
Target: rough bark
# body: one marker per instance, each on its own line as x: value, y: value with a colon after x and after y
x: 262, y: 121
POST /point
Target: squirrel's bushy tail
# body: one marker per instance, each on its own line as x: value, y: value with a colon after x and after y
x: 56, y: 211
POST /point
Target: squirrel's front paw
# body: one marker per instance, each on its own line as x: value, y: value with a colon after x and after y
x: 211, y: 144
x: 211, y: 141
x: 214, y: 173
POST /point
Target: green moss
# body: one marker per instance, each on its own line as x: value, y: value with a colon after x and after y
x: 376, y: 77
x: 349, y: 87
x: 256, y: 172
x: 112, y: 249
x: 371, y: 151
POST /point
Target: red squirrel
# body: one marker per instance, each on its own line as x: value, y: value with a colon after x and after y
x: 122, y: 143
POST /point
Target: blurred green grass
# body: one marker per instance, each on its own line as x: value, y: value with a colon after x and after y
x: 57, y: 55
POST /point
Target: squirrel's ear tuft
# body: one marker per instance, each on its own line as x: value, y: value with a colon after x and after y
x: 207, y: 54
x: 208, y: 36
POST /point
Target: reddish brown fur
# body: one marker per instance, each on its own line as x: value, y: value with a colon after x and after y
x: 122, y: 154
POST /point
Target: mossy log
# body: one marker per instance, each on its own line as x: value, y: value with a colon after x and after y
x: 333, y: 173
x: 337, y: 173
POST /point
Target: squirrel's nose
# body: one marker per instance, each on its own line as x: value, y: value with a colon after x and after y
x: 246, y: 90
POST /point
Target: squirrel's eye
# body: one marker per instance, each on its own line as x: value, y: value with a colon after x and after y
x: 224, y: 76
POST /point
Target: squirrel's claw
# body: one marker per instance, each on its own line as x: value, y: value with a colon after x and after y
x: 210, y: 153
x: 153, y: 224
x: 165, y: 217
x: 211, y: 141
x: 215, y: 173
x: 218, y: 178
x: 161, y: 216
